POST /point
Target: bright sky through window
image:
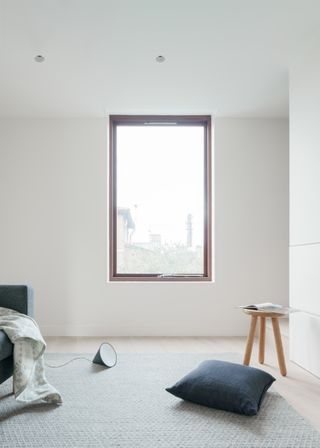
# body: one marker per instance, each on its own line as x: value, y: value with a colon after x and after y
x: 160, y: 179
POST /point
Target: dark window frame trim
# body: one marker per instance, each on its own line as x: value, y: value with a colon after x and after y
x: 160, y: 120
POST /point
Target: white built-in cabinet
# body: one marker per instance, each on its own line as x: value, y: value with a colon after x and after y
x: 305, y: 208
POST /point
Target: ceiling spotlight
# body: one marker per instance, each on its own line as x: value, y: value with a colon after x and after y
x: 39, y: 58
x: 160, y: 59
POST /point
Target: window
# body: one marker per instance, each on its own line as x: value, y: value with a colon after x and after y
x: 160, y: 198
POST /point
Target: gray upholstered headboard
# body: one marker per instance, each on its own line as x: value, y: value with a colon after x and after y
x: 17, y: 297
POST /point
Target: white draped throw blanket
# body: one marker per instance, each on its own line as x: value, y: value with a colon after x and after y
x: 29, y: 380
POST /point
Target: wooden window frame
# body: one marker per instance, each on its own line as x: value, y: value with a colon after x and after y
x: 160, y: 120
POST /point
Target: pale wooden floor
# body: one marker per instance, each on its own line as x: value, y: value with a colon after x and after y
x: 299, y: 388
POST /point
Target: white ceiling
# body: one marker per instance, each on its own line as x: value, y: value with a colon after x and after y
x: 225, y: 57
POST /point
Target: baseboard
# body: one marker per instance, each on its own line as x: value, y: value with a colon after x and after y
x: 124, y: 331
x: 78, y: 331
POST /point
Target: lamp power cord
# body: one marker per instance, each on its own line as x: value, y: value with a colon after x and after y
x: 66, y: 363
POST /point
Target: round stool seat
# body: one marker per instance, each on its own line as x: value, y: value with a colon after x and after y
x: 259, y: 313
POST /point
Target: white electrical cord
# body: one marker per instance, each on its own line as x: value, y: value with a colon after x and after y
x: 103, y: 357
x: 68, y: 362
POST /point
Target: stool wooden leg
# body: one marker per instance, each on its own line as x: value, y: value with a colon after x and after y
x: 250, y: 341
x: 262, y: 339
x: 277, y: 337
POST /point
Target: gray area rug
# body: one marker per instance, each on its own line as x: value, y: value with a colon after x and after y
x: 127, y: 407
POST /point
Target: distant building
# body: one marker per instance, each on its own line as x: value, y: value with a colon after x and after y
x: 189, y: 230
x: 125, y: 227
x: 155, y: 240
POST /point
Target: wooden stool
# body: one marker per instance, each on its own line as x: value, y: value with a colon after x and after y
x: 277, y: 336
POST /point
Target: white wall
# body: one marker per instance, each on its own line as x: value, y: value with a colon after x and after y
x: 53, y: 231
x: 305, y: 207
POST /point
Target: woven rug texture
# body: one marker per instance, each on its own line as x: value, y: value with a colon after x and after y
x: 127, y: 407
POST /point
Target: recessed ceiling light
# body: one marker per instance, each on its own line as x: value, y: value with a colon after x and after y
x: 160, y: 59
x: 39, y: 58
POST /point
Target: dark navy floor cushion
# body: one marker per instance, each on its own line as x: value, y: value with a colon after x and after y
x: 224, y: 385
